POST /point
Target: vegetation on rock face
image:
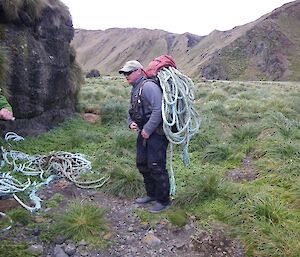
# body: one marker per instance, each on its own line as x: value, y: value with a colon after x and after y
x: 3, y: 68
x: 76, y: 77
x: 243, y: 123
x: 30, y: 10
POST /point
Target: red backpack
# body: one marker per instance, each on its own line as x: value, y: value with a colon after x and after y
x: 158, y: 63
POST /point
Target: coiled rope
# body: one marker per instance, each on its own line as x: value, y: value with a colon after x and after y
x: 180, y: 119
x: 55, y: 165
x: 13, y: 136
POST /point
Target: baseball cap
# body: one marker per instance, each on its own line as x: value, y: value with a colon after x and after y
x: 131, y: 66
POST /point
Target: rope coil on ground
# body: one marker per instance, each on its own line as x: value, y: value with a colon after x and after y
x: 48, y: 167
x: 13, y: 136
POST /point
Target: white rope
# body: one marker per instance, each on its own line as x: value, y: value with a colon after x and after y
x: 47, y: 167
x: 178, y: 113
x: 177, y: 107
x: 13, y: 136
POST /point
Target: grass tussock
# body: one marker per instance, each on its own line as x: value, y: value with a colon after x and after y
x: 216, y: 153
x: 268, y: 209
x: 11, y: 248
x: 204, y: 187
x: 287, y: 128
x: 54, y: 201
x: 245, y: 133
x: 20, y: 216
x: 178, y: 218
x: 113, y: 111
x: 125, y: 183
x: 81, y: 221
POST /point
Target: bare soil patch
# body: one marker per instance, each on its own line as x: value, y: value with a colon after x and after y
x: 245, y: 173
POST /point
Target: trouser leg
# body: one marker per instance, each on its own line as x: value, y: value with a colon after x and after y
x: 1, y: 156
x: 142, y: 165
x: 156, y: 156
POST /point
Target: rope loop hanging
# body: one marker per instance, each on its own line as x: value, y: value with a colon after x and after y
x: 180, y: 119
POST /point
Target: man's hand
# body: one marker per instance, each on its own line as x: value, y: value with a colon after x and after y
x: 133, y: 126
x: 144, y: 134
x: 6, y: 114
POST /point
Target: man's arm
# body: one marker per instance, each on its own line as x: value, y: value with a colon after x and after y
x: 153, y: 95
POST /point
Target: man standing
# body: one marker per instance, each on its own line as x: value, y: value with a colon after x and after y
x: 145, y: 117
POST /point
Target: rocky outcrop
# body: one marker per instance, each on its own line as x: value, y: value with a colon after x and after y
x: 42, y: 75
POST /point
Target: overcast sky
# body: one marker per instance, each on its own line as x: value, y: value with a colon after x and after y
x: 199, y: 17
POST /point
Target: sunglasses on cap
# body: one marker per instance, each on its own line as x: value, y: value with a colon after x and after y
x: 128, y: 73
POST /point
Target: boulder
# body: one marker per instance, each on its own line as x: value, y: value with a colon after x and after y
x: 93, y: 74
x: 42, y: 76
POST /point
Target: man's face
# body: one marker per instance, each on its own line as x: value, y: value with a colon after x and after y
x: 132, y: 76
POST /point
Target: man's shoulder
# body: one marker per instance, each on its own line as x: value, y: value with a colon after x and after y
x: 152, y: 81
x: 151, y: 84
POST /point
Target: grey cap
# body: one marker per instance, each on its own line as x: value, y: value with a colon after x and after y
x: 131, y: 66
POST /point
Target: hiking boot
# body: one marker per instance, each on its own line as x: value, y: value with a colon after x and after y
x: 158, y: 207
x: 145, y: 199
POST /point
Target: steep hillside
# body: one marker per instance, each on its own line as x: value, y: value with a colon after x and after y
x: 265, y: 49
x: 108, y: 50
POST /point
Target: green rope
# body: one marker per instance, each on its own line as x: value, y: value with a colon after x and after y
x: 180, y: 119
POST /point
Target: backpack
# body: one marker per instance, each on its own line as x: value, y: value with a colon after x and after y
x: 163, y: 61
x: 151, y: 72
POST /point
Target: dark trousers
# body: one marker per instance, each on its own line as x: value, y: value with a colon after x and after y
x: 151, y: 162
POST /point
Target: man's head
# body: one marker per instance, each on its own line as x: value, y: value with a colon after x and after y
x: 130, y: 66
x: 132, y: 70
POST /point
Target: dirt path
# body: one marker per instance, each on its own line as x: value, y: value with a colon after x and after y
x: 129, y: 236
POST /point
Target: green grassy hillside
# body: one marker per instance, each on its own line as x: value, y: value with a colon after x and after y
x: 245, y: 162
